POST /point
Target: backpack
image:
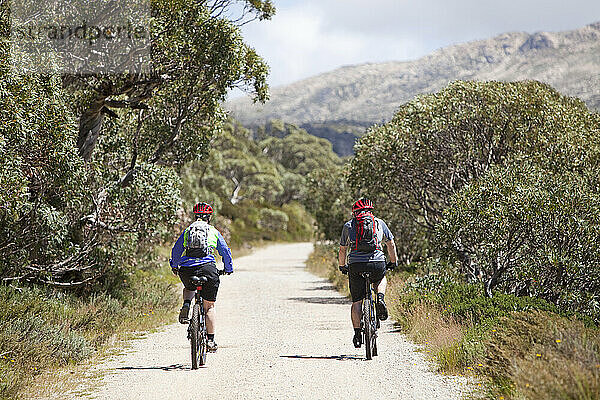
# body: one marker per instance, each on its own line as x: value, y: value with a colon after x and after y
x: 196, y: 244
x: 366, y: 234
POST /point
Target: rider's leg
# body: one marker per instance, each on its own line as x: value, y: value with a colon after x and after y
x: 211, y: 317
x: 356, y: 313
x: 188, y: 295
x: 381, y: 286
x: 382, y: 312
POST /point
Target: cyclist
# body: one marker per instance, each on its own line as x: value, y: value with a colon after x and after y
x: 366, y: 255
x: 192, y: 255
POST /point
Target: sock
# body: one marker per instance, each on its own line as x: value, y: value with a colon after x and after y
x: 211, y: 336
x: 357, y: 331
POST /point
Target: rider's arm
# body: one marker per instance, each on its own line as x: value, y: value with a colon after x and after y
x: 342, y: 255
x: 343, y: 246
x: 224, y: 252
x: 176, y: 252
x: 389, y: 243
x: 391, y: 249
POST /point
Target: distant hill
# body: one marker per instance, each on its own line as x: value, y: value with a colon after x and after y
x: 338, y: 105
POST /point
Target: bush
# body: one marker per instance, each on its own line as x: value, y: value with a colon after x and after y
x: 272, y: 220
x: 42, y: 328
x: 529, y: 232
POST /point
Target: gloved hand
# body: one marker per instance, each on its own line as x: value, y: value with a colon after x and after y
x: 344, y: 269
x: 175, y: 270
x: 390, y: 266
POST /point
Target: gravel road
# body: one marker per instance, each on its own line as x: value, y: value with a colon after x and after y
x: 283, y: 333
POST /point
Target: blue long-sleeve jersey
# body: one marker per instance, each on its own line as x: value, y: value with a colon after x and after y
x: 215, y: 240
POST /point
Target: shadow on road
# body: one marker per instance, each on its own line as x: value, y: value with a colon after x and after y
x: 321, y: 300
x: 325, y: 287
x: 339, y: 358
x: 173, y: 367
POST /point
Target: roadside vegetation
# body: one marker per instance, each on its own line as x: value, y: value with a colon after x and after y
x: 491, y: 191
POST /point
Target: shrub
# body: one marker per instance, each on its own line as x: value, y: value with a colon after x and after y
x: 273, y: 220
x: 529, y: 232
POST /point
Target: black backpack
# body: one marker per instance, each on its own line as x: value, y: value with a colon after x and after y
x: 366, y: 234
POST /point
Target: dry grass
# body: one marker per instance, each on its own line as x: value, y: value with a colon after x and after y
x: 323, y: 262
x: 545, y: 356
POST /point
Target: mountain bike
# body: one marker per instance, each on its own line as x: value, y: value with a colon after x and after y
x: 197, y: 333
x: 369, y: 321
x: 197, y: 327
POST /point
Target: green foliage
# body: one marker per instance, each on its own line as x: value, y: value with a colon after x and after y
x: 241, y: 174
x: 467, y: 303
x: 82, y: 194
x: 329, y: 199
x: 530, y: 232
x: 41, y: 174
x: 272, y: 220
x: 438, y: 143
x: 198, y: 55
x: 298, y: 151
x: 235, y: 170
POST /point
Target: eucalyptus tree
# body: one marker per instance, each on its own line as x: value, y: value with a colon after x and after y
x: 89, y: 160
x: 438, y: 143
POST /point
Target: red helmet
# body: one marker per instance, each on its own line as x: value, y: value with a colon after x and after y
x: 362, y: 204
x: 203, y: 208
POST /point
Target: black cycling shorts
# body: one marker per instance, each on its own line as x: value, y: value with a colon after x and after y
x: 209, y: 270
x: 357, y: 282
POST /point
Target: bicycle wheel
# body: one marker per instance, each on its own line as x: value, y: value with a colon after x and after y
x: 367, y: 327
x: 203, y: 339
x: 195, y: 336
x: 374, y: 324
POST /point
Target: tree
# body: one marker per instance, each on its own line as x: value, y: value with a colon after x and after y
x: 197, y: 56
x: 296, y: 150
x: 436, y: 144
x: 82, y: 195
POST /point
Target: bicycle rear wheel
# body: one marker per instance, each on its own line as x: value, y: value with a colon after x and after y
x: 374, y: 325
x: 195, y: 336
x: 367, y: 327
x: 203, y: 339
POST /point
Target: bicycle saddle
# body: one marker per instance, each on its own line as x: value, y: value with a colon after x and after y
x: 197, y: 281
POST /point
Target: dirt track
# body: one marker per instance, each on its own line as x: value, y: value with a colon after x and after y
x: 283, y: 334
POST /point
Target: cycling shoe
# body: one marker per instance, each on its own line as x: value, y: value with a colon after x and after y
x: 357, y: 340
x: 183, y: 314
x: 382, y: 312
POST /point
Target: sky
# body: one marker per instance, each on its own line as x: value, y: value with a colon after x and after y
x: 308, y: 37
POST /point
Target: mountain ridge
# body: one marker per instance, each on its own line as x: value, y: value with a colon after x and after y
x: 371, y: 92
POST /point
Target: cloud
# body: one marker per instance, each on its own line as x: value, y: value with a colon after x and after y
x: 307, y: 37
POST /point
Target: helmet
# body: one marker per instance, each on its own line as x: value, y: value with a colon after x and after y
x: 203, y: 208
x: 362, y: 204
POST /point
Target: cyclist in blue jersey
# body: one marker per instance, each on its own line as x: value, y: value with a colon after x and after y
x: 192, y: 255
x: 365, y: 235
